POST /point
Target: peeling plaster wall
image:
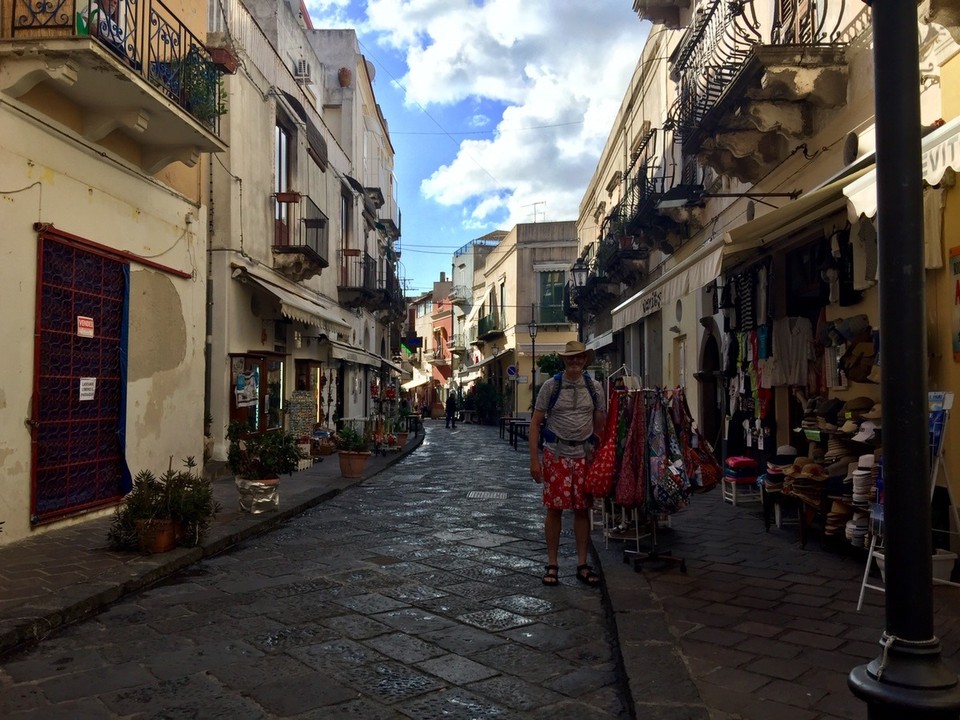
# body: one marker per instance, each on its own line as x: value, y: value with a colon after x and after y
x: 100, y: 199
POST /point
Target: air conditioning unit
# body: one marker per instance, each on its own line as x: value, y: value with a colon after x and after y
x: 301, y: 72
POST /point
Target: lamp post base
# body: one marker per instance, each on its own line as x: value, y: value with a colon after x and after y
x: 907, y: 681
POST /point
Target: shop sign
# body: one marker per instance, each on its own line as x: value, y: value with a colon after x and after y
x: 955, y: 319
x: 84, y: 326
x: 652, y: 303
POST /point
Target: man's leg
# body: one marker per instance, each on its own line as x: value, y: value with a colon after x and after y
x: 551, y: 529
x: 581, y: 531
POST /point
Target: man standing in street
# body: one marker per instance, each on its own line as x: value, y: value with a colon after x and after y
x: 574, y: 410
x: 451, y: 410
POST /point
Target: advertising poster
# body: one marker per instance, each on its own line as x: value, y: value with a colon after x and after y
x: 247, y: 388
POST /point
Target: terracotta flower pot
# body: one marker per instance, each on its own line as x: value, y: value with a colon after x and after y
x: 402, y: 438
x: 157, y: 536
x: 352, y: 464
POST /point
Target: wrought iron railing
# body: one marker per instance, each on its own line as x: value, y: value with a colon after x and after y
x: 144, y: 34
x: 488, y: 324
x: 358, y: 270
x: 300, y: 224
x: 721, y: 41
x: 551, y: 314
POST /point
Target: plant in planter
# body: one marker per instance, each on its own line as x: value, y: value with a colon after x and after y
x: 257, y: 461
x: 261, y: 457
x: 161, y: 511
x: 354, y: 448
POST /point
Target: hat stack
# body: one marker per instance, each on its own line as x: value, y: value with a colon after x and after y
x: 777, y: 466
x: 864, y: 483
x: 806, y: 481
x: 836, y: 518
x: 856, y: 528
x: 827, y: 412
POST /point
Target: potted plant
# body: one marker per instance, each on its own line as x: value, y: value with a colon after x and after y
x: 162, y: 511
x: 354, y: 448
x: 257, y: 462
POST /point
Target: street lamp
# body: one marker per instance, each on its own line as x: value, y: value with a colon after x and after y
x: 532, y: 328
x: 579, y: 271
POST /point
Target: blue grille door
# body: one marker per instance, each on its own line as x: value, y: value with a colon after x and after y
x: 79, y: 393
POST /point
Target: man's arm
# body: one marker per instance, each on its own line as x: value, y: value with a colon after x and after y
x: 534, y: 442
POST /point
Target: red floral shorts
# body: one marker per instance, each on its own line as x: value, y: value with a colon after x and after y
x: 564, y: 482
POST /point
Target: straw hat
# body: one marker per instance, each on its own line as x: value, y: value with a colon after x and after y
x: 575, y: 347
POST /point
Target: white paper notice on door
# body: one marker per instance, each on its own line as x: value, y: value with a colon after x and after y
x: 88, y: 388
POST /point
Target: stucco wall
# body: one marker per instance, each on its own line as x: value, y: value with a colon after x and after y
x: 81, y: 193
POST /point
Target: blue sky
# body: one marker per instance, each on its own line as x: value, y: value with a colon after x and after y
x: 498, y: 109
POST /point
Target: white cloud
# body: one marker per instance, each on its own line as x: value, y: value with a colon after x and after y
x: 560, y: 66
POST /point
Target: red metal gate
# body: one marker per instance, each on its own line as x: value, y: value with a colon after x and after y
x: 79, y: 388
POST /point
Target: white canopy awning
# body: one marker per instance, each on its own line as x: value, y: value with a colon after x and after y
x: 490, y: 358
x: 358, y: 356
x: 601, y: 340
x: 940, y: 150
x: 416, y: 382
x: 688, y: 275
x: 296, y: 304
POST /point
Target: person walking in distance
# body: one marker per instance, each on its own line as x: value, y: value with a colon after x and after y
x: 452, y: 410
x: 572, y: 410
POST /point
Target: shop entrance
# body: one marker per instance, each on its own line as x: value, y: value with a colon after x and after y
x: 79, y: 391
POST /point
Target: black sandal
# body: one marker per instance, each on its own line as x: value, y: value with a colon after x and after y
x: 587, y: 576
x: 552, y: 578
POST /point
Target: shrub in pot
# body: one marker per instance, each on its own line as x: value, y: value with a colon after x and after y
x: 354, y: 448
x: 173, y: 508
x: 259, y: 457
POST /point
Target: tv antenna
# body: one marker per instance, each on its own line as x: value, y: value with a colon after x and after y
x: 534, y: 206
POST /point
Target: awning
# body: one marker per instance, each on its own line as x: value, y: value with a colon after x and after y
x: 940, y: 150
x: 416, y: 382
x: 468, y: 377
x: 387, y: 365
x: 358, y: 356
x: 601, y: 340
x: 296, y: 306
x: 316, y: 143
x: 795, y: 215
x: 690, y: 274
x: 487, y: 360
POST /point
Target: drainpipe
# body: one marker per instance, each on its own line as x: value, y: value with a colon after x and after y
x: 908, y: 679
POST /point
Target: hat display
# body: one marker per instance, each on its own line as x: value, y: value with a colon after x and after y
x: 575, y: 347
x: 828, y: 409
x: 849, y: 427
x: 851, y: 328
x: 867, y: 432
x: 855, y: 407
x: 874, y: 413
x: 786, y: 454
x: 858, y: 361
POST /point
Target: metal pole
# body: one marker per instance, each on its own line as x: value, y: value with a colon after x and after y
x: 908, y: 679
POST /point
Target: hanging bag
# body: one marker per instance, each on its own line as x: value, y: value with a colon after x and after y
x: 601, y: 469
x: 703, y: 469
x: 629, y: 494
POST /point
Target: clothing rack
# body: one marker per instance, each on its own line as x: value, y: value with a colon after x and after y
x: 653, y: 558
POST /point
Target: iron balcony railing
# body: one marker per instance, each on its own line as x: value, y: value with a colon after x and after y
x: 358, y: 270
x: 300, y: 224
x: 551, y: 315
x: 722, y: 40
x: 145, y: 35
x: 487, y: 324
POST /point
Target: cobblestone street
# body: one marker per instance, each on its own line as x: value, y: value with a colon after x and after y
x: 416, y: 594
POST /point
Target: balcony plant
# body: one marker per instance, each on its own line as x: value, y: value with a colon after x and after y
x: 162, y: 511
x: 354, y: 451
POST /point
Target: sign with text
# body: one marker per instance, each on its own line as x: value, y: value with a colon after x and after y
x: 84, y: 326
x: 88, y: 389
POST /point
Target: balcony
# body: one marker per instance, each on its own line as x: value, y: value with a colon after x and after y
x: 749, y: 91
x: 459, y: 295
x: 489, y: 327
x: 439, y: 357
x: 661, y: 12
x: 457, y: 344
x: 300, y: 236
x: 391, y: 297
x: 357, y: 281
x: 140, y: 72
x: 388, y: 214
